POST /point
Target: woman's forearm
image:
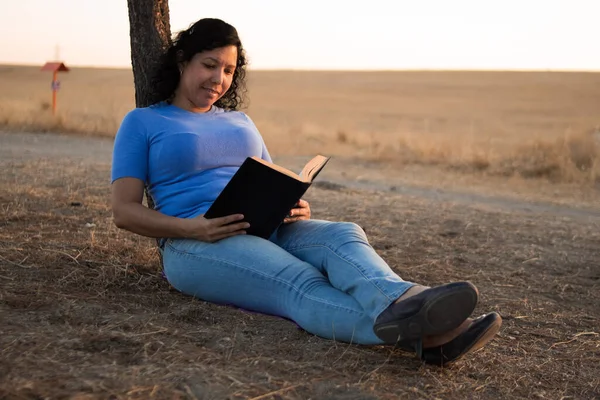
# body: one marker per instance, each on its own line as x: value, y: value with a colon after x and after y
x: 142, y: 220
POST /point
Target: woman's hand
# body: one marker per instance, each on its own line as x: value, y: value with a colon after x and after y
x: 214, y: 229
x: 300, y: 212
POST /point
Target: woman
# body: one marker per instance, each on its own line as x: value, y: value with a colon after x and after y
x: 323, y: 275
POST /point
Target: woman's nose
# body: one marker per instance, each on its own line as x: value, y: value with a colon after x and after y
x: 217, y: 76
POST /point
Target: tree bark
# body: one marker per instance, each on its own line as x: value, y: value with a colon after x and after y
x: 150, y: 36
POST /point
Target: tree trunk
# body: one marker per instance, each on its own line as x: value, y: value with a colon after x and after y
x: 150, y: 35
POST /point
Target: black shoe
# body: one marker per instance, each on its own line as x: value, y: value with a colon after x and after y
x: 481, y: 331
x: 431, y: 312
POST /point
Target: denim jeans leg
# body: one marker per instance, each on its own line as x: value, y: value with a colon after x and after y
x: 341, y: 251
x: 258, y: 275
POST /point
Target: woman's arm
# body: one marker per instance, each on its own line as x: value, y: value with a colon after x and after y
x: 130, y: 214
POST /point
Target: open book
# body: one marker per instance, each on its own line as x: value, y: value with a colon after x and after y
x: 265, y: 193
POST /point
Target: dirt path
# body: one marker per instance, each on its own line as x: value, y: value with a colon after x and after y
x: 344, y: 172
x: 84, y: 313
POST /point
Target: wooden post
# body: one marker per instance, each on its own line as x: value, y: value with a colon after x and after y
x: 54, y: 89
x: 55, y: 67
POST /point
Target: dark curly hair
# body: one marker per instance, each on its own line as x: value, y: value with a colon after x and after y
x: 204, y: 35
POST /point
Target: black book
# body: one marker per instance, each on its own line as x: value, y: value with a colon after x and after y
x: 264, y: 193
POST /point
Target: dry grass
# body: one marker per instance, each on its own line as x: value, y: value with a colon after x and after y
x: 532, y: 124
x: 86, y: 316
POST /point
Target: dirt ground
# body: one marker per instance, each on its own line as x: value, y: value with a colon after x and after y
x: 85, y: 314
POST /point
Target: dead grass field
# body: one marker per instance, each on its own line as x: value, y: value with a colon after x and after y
x: 530, y: 124
x: 85, y: 314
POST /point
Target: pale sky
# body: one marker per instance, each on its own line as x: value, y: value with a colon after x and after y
x: 326, y: 34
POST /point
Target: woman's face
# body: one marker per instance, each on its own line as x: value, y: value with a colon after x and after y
x: 206, y: 78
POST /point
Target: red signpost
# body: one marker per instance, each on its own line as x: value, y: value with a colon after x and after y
x: 55, y: 68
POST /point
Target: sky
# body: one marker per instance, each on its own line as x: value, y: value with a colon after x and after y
x: 326, y: 34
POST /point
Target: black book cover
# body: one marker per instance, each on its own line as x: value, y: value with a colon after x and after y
x: 262, y: 194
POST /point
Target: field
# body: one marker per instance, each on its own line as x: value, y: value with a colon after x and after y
x: 531, y: 124
x: 485, y: 176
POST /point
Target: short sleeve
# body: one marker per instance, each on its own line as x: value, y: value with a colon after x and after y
x: 130, y: 151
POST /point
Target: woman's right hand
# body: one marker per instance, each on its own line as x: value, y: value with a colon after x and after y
x: 214, y: 229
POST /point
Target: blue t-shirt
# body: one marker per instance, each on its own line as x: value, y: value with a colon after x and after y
x: 185, y: 158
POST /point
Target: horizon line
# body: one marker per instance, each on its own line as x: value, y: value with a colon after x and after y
x: 306, y: 69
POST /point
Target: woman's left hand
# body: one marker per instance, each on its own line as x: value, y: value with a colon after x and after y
x: 300, y: 212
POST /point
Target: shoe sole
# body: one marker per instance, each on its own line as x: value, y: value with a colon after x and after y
x: 439, y: 314
x: 481, y: 341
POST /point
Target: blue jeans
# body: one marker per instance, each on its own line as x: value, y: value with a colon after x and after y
x: 324, y: 276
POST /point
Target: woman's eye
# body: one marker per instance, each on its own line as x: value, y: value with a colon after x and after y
x: 209, y: 66
x: 229, y: 71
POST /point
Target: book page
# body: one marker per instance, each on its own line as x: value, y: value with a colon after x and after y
x: 277, y: 168
x: 312, y: 168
